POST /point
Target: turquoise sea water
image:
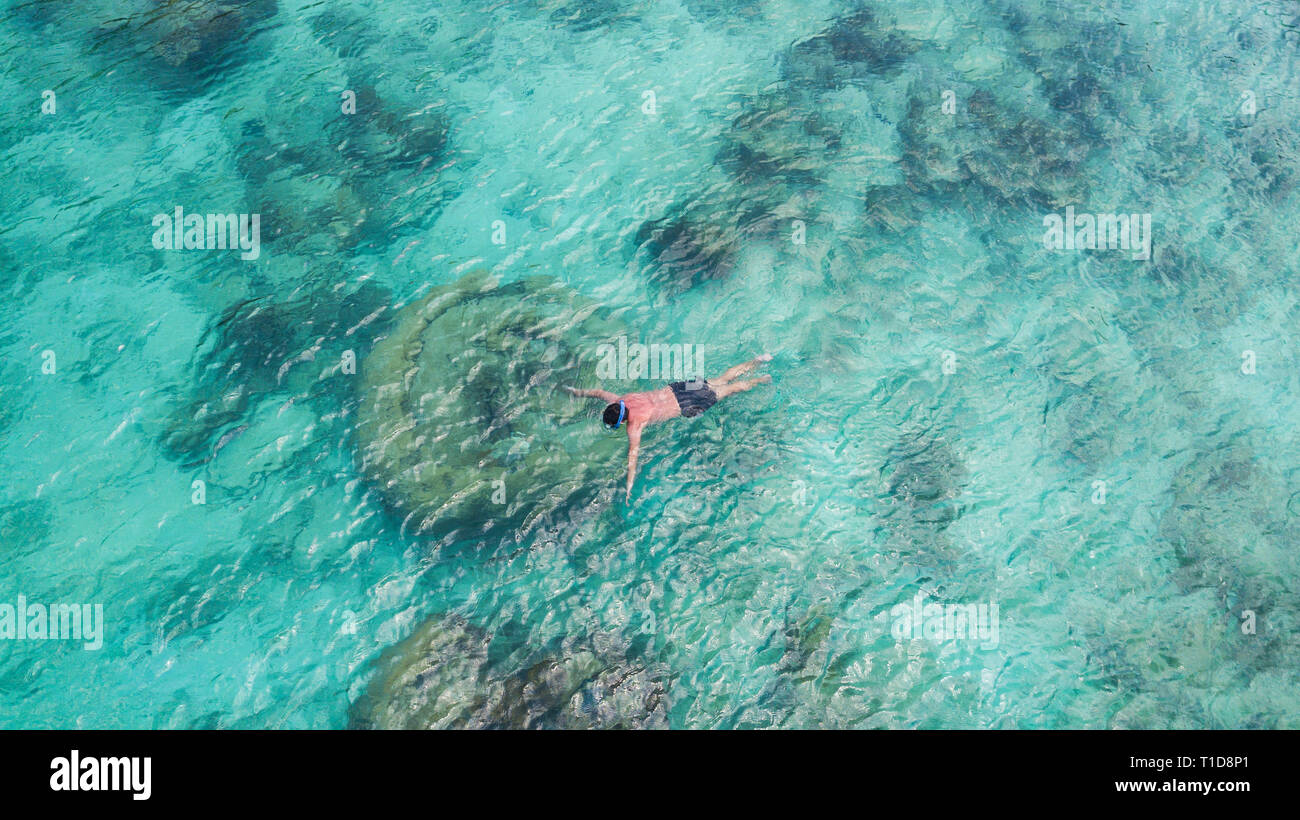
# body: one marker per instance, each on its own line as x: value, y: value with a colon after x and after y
x: 947, y: 392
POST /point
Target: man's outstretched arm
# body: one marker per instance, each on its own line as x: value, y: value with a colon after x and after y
x: 633, y: 450
x: 604, y: 395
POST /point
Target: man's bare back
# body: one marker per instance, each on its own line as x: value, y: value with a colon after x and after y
x: 689, y: 399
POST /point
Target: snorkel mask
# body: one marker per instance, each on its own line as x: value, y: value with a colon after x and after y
x: 622, y: 414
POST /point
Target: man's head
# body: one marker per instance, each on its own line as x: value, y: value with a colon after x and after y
x: 615, y: 414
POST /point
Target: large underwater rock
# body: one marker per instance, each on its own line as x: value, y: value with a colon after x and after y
x: 462, y: 424
x: 925, y: 481
x: 261, y: 347
x: 441, y: 677
x: 1229, y: 532
x: 324, y: 181
x: 779, y: 144
x: 927, y: 477
x: 193, y: 28
x: 853, y: 49
x: 693, y: 244
x: 186, y: 43
x: 589, y: 15
x: 1013, y: 156
x: 1227, y: 523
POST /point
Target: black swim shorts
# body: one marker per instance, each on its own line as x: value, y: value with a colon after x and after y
x: 693, y: 397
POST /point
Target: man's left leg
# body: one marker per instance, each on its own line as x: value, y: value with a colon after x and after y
x: 738, y: 370
x: 728, y: 388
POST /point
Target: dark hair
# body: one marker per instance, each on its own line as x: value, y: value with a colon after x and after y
x: 611, y: 414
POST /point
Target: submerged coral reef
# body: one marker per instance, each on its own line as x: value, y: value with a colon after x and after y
x: 443, y: 676
x: 462, y: 423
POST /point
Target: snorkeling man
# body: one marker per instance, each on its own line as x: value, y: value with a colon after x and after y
x: 688, y: 399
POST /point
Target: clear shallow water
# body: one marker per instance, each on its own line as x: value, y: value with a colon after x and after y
x: 756, y: 570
